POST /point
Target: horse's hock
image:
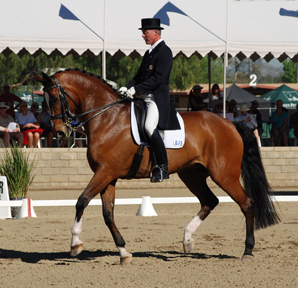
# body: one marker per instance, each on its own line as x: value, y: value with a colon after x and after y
x: 68, y: 169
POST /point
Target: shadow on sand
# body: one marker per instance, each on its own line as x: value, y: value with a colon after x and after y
x: 64, y: 257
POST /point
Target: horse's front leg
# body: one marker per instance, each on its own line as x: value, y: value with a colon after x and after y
x: 95, y: 186
x: 108, y: 203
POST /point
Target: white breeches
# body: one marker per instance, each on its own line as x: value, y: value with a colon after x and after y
x: 152, y: 116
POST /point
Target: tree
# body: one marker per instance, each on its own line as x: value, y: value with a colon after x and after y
x: 290, y: 68
x: 185, y: 72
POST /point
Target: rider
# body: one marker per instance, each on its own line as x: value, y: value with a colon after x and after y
x: 152, y: 84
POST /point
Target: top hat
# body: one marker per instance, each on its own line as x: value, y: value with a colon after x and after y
x: 150, y: 23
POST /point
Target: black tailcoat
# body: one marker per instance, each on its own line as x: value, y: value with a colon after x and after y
x: 153, y: 77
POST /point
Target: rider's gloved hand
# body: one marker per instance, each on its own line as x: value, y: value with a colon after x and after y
x: 122, y: 91
x: 130, y: 92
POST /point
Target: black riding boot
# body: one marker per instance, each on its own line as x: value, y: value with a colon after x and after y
x: 160, y: 171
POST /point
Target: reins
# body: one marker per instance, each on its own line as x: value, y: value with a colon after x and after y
x: 68, y: 117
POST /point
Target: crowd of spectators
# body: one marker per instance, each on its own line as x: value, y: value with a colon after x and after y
x: 26, y: 127
x: 279, y: 122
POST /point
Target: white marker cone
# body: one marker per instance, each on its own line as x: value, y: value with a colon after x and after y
x: 146, y: 208
x: 26, y: 210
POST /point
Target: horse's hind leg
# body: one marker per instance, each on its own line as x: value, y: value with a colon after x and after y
x: 195, y: 180
x: 108, y: 203
x: 237, y: 193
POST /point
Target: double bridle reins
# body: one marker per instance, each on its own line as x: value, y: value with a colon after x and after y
x: 68, y: 117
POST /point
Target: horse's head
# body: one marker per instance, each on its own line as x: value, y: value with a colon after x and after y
x: 55, y: 96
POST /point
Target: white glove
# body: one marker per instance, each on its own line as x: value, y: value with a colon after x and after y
x: 130, y: 92
x: 122, y: 91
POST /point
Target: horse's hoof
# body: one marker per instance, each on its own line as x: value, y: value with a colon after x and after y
x: 126, y: 259
x: 76, y: 250
x: 247, y: 257
x: 189, y: 246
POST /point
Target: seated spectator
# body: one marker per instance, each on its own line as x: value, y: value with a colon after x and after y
x: 8, y: 127
x: 34, y: 109
x: 9, y: 99
x: 29, y: 126
x: 195, y: 99
x: 257, y: 115
x: 248, y: 119
x: 45, y: 124
x: 216, y: 98
x: 294, y: 122
x: 279, y: 124
x: 204, y: 107
x: 233, y: 108
x: 218, y: 108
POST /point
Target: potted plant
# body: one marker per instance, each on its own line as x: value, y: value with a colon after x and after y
x: 18, y: 169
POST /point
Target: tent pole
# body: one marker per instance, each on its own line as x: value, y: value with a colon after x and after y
x: 209, y: 79
x: 225, y: 62
x: 103, y: 56
x: 297, y: 71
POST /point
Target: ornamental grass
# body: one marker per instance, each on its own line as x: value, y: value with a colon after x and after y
x: 18, y: 169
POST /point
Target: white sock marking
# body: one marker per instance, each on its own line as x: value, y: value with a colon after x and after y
x: 191, y: 228
x: 76, y: 231
x: 123, y: 252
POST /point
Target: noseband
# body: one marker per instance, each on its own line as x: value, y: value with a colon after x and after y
x: 69, y: 118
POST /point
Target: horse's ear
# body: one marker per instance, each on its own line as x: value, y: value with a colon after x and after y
x: 46, y: 78
x: 37, y: 78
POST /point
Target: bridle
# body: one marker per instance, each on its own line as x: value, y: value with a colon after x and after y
x: 69, y: 119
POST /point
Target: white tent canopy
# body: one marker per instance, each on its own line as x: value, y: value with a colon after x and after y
x: 255, y: 28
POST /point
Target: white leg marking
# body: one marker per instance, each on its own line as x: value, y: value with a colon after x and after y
x: 123, y: 252
x: 76, y: 231
x: 191, y: 228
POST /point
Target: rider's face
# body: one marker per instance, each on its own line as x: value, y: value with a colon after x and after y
x: 150, y: 36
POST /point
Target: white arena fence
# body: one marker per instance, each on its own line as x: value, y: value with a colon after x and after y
x: 26, y: 206
x: 132, y: 201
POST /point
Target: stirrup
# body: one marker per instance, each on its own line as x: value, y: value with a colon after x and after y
x: 158, y: 175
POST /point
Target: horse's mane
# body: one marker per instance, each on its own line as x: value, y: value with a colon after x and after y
x: 87, y: 73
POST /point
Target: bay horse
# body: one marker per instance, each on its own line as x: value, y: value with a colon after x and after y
x: 213, y: 147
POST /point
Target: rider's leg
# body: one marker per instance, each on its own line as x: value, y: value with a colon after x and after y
x: 156, y: 142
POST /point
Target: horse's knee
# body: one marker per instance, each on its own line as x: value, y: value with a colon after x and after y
x: 81, y: 203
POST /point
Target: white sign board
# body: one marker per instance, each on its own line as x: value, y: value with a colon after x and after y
x: 5, y: 212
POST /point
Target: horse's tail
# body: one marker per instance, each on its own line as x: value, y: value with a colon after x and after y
x: 255, y: 181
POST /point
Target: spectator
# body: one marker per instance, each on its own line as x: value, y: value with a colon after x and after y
x: 204, y: 107
x: 218, y: 108
x: 233, y: 108
x: 248, y: 119
x: 279, y: 124
x: 294, y: 122
x: 34, y: 110
x: 216, y: 97
x: 29, y: 126
x: 9, y: 99
x: 45, y: 124
x: 8, y: 127
x: 195, y: 98
x: 257, y: 115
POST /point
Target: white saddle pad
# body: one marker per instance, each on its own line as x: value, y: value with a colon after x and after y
x: 172, y: 138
